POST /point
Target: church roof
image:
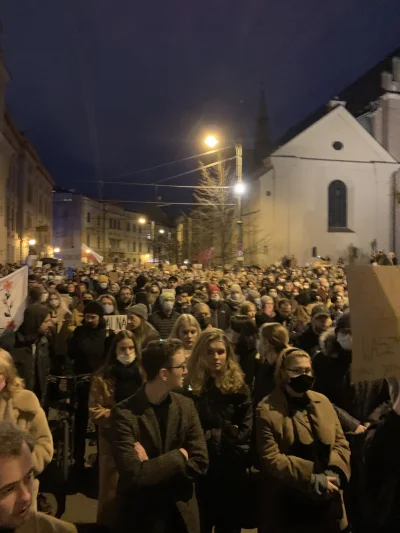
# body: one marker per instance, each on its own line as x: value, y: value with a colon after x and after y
x: 358, y: 97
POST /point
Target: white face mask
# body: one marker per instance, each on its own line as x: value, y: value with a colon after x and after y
x: 108, y: 308
x: 257, y: 303
x: 126, y: 359
x: 346, y: 341
x: 215, y: 298
x: 54, y: 303
x: 104, y: 285
x: 168, y: 306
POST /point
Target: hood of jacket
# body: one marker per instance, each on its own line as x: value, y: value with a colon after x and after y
x: 34, y: 316
x: 328, y: 343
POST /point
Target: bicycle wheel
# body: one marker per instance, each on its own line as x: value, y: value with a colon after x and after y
x: 65, y: 453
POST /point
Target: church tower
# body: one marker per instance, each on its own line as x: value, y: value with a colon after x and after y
x: 263, y: 145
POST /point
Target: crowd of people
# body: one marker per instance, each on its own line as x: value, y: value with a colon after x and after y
x: 226, y: 402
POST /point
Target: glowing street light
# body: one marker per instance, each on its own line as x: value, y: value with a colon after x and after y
x: 161, y: 231
x: 32, y: 242
x: 142, y: 220
x: 57, y: 250
x: 239, y: 188
x: 211, y: 141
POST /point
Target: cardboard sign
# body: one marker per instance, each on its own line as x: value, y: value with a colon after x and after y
x: 14, y: 292
x: 116, y: 322
x: 113, y: 277
x: 109, y: 267
x: 375, y: 320
x: 71, y: 258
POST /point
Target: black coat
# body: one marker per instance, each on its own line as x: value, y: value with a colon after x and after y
x: 148, y: 490
x: 308, y: 341
x: 163, y: 323
x: 221, y: 315
x: 88, y: 347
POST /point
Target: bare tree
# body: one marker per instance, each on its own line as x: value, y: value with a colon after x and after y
x: 213, y: 220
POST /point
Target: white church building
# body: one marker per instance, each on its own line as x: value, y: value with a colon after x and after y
x: 330, y: 187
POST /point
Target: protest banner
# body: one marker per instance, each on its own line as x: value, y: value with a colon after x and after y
x: 375, y: 321
x: 72, y: 258
x: 109, y: 267
x: 13, y: 295
x: 113, y: 277
x: 116, y: 322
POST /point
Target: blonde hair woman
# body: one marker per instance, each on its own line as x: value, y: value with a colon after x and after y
x: 274, y: 338
x: 187, y: 330
x: 22, y: 407
x: 304, y: 455
x: 224, y: 405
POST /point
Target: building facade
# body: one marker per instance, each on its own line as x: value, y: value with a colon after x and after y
x: 330, y: 189
x: 118, y: 235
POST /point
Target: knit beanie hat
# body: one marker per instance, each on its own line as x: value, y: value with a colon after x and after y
x: 165, y: 295
x: 139, y: 310
x: 213, y: 288
x: 94, y: 308
x: 235, y: 288
x: 103, y: 279
x: 253, y: 295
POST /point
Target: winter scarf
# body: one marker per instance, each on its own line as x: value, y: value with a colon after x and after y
x: 128, y: 380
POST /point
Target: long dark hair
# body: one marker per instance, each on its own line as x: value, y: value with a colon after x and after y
x: 111, y: 358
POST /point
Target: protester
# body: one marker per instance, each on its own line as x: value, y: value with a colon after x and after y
x: 109, y: 304
x: 182, y: 305
x: 305, y: 457
x: 140, y: 290
x: 225, y: 410
x: 137, y: 323
x: 202, y: 314
x: 21, y: 407
x: 102, y: 287
x: 187, y: 330
x: 274, y: 338
x: 163, y: 321
x: 119, y: 378
x: 248, y: 309
x: 29, y: 348
x: 220, y: 310
x: 125, y: 299
x: 245, y: 343
x: 320, y: 321
x: 61, y: 319
x: 266, y: 314
x: 235, y: 298
x: 159, y: 448
x: 17, y: 470
x: 87, y: 348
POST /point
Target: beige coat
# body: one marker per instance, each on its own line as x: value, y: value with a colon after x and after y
x: 24, y: 409
x: 101, y: 400
x: 41, y: 523
x: 286, y: 475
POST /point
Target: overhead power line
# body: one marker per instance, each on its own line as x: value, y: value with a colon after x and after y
x: 160, y: 203
x: 156, y: 185
x: 172, y: 162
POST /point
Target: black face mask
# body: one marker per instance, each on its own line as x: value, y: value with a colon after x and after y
x: 301, y: 383
x: 204, y: 322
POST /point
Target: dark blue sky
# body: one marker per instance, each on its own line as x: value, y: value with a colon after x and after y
x: 142, y: 80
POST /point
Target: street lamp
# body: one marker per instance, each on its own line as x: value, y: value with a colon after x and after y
x: 211, y: 141
x: 142, y: 220
x: 56, y: 250
x: 32, y: 242
x: 161, y: 231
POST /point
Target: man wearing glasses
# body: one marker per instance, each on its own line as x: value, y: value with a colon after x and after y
x: 159, y: 448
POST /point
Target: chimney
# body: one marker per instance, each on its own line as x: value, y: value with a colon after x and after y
x: 335, y: 103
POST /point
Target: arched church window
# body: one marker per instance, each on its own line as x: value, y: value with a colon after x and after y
x: 337, y: 205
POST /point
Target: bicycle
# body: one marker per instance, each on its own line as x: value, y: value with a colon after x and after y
x: 63, y: 399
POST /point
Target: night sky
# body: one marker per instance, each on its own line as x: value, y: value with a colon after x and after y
x: 106, y: 87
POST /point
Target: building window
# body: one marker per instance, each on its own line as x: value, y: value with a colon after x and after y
x: 314, y: 252
x: 140, y: 247
x: 98, y: 220
x: 110, y: 223
x: 134, y: 248
x: 88, y: 217
x: 128, y: 227
x: 134, y: 228
x: 140, y: 229
x: 337, y: 205
x: 29, y: 194
x: 28, y: 221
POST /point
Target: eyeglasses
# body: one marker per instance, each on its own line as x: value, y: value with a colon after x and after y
x: 183, y: 367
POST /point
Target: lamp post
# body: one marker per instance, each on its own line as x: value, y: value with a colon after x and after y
x: 239, y: 189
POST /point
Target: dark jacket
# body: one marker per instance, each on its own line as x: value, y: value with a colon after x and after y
x: 221, y: 314
x: 308, y: 341
x: 264, y: 383
x: 148, y: 490
x: 219, y: 413
x: 30, y: 351
x: 262, y: 318
x: 163, y: 323
x: 88, y: 347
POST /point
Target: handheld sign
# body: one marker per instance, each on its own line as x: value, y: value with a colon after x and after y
x: 116, y: 322
x: 374, y: 293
